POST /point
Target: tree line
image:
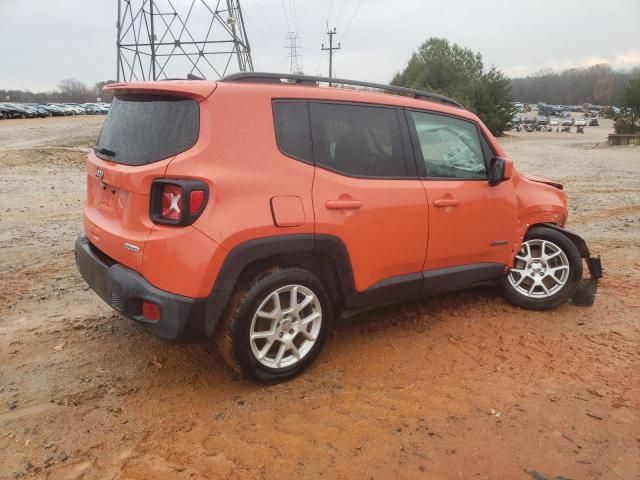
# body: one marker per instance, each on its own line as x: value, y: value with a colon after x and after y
x: 598, y: 85
x: 69, y: 90
x: 455, y: 71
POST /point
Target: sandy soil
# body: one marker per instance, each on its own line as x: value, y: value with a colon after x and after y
x: 463, y: 386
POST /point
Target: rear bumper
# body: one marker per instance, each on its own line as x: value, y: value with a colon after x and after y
x: 125, y: 290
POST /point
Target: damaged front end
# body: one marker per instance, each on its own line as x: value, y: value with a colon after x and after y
x: 586, y: 293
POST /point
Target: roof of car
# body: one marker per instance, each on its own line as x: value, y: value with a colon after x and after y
x: 336, y: 94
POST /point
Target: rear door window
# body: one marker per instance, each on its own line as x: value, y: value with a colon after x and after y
x: 358, y: 140
x: 142, y: 129
x: 291, y: 118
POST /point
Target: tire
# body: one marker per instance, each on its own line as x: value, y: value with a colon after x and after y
x: 253, y: 310
x: 547, y: 271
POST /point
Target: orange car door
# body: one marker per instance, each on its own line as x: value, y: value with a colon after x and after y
x: 366, y: 191
x: 470, y: 222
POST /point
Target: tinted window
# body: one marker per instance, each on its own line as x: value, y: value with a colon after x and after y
x: 357, y: 140
x: 450, y: 147
x: 141, y: 129
x: 291, y: 119
x: 486, y: 148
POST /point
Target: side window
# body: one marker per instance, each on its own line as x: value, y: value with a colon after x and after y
x: 486, y: 148
x: 291, y: 119
x: 357, y: 140
x: 450, y: 147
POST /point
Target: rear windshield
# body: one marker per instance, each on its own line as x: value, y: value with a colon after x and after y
x: 141, y: 129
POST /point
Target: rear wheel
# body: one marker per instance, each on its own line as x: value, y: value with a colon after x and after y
x: 546, y: 272
x: 276, y: 324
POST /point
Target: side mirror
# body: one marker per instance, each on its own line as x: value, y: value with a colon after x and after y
x: 500, y: 169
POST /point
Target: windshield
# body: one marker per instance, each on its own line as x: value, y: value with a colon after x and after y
x: 141, y: 129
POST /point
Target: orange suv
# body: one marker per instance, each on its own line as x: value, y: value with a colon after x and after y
x: 261, y: 207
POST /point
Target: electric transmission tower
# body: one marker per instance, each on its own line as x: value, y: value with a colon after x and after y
x: 294, y: 65
x: 156, y: 40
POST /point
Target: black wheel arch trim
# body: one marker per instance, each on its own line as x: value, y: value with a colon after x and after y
x: 594, y: 263
x: 586, y: 293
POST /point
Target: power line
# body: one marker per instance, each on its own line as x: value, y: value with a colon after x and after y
x: 286, y: 17
x: 262, y: 37
x: 351, y: 19
x: 344, y: 2
x: 294, y: 13
x: 330, y: 8
x: 265, y: 18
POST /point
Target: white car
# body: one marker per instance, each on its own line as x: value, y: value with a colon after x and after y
x: 581, y: 122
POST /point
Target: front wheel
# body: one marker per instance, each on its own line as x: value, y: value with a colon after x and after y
x: 276, y: 325
x: 546, y: 272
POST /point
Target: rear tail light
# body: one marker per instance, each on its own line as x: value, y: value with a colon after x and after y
x: 178, y: 202
x: 171, y: 202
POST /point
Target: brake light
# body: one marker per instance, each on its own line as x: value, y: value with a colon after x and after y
x: 178, y: 202
x: 172, y: 202
x: 196, y: 199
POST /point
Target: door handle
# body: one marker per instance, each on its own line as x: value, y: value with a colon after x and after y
x: 343, y: 204
x: 446, y: 202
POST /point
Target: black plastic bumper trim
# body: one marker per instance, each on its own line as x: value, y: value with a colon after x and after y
x: 124, y: 290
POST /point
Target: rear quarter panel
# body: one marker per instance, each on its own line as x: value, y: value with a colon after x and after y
x: 237, y: 155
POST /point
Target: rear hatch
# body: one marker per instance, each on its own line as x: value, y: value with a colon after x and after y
x: 147, y: 126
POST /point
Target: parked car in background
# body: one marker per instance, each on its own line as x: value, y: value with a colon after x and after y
x: 593, y: 122
x: 581, y: 122
x: 543, y: 120
x: 568, y: 122
x: 4, y: 114
x: 92, y: 109
x: 67, y: 110
x: 41, y: 112
x: 104, y: 107
x: 53, y: 110
x: 76, y: 109
x: 18, y: 111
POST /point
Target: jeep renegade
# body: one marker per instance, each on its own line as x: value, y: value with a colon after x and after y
x: 261, y: 207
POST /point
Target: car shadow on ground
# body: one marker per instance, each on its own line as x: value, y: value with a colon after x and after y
x: 147, y: 360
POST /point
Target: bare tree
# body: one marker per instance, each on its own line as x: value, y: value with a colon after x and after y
x: 72, y: 90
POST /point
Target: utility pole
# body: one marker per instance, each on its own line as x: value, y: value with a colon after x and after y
x: 331, y: 48
x: 294, y: 66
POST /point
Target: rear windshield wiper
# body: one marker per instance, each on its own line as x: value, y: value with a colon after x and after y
x: 104, y: 151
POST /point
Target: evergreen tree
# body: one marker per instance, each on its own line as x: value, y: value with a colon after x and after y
x: 458, y: 72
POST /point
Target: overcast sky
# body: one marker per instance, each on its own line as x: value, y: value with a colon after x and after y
x: 45, y: 41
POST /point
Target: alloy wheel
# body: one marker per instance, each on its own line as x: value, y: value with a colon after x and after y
x: 286, y: 326
x: 541, y: 269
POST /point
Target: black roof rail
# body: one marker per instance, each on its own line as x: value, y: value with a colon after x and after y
x: 263, y: 77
